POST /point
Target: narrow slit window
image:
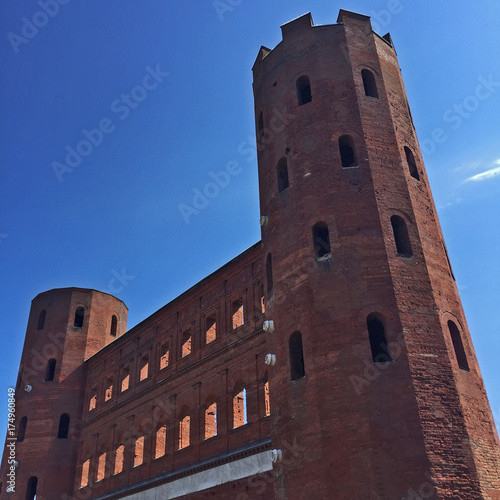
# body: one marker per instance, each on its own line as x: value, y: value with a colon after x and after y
x: 237, y: 314
x: 144, y: 368
x: 269, y: 274
x: 297, y: 367
x: 108, y: 394
x: 239, y: 406
x: 93, y: 400
x: 260, y: 126
x: 412, y: 164
x: 282, y: 170
x: 79, y: 315
x: 31, y: 489
x: 321, y: 241
x: 378, y: 339
x: 369, y: 83
x: 211, y: 420
x: 267, y: 402
x: 84, y: 480
x: 184, y: 431
x: 21, y: 431
x: 125, y: 379
x: 458, y: 346
x: 210, y: 329
x: 114, y: 324
x: 101, y: 467
x: 139, y: 451
x: 119, y: 459
x: 50, y: 370
x: 161, y: 441
x: 164, y: 355
x: 186, y: 344
x: 401, y: 237
x: 63, y: 430
x: 41, y: 319
x: 262, y: 300
x: 303, y: 90
x: 347, y: 151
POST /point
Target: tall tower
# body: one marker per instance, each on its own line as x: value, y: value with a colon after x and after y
x: 65, y: 327
x: 375, y: 377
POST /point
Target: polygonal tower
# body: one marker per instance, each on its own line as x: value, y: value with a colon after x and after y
x: 375, y: 375
x: 65, y: 327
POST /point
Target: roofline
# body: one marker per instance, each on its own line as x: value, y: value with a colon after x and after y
x: 79, y: 289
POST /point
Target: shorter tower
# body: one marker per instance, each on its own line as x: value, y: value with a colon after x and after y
x: 65, y: 327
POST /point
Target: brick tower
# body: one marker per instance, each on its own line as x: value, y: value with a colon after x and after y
x: 65, y: 327
x: 375, y: 375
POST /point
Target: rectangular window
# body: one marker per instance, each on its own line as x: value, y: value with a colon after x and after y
x: 186, y: 343
x: 164, y: 355
x: 139, y: 451
x: 101, y: 467
x: 109, y: 390
x: 237, y: 313
x: 125, y: 379
x: 119, y: 459
x: 210, y: 329
x: 144, y: 368
x: 93, y: 400
x: 266, y: 398
x: 85, y: 474
x: 240, y: 409
x: 211, y: 421
x: 161, y: 441
x: 184, y: 432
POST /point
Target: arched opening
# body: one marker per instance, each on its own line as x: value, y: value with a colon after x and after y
x: 108, y: 393
x: 62, y: 433
x: 101, y: 467
x: 282, y: 170
x: 184, y: 429
x: 412, y: 165
x: 119, y: 459
x: 211, y: 418
x: 79, y: 315
x: 161, y: 441
x: 260, y: 126
x: 297, y: 367
x: 50, y: 370
x: 401, y: 238
x: 347, y: 151
x: 269, y: 275
x: 21, y: 431
x: 321, y: 241
x: 369, y: 83
x: 303, y: 90
x: 31, y: 489
x: 139, y: 451
x: 458, y: 346
x: 114, y: 324
x: 378, y: 340
x: 239, y: 405
x: 164, y: 355
x: 186, y: 344
x: 41, y: 319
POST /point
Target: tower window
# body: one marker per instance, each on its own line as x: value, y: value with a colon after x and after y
x: 184, y: 430
x: 269, y: 275
x: 161, y: 441
x: 101, y: 467
x: 237, y: 314
x: 260, y: 126
x: 297, y: 369
x: 458, y: 346
x: 164, y: 355
x: 125, y: 379
x: 239, y: 405
x: 41, y: 319
x: 378, y: 340
x: 114, y: 322
x: 79, y: 314
x: 347, y: 151
x: 144, y: 368
x: 303, y: 90
x: 84, y: 481
x: 210, y: 329
x: 321, y: 241
x: 282, y: 170
x: 50, y: 370
x: 22, y: 429
x: 401, y: 238
x: 186, y: 343
x: 119, y: 459
x: 139, y: 451
x: 369, y: 83
x: 211, y: 419
x: 412, y: 165
x: 62, y: 433
x: 31, y: 489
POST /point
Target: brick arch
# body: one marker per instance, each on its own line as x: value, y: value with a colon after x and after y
x: 389, y: 212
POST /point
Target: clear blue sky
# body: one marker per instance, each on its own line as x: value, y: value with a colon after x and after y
x: 118, y: 211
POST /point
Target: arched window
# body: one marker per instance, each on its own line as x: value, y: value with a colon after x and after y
x: 239, y: 405
x: 119, y: 459
x: 101, y: 467
x: 161, y: 441
x: 62, y: 433
x: 164, y: 355
x: 412, y: 165
x: 369, y: 83
x: 184, y: 429
x: 50, y: 370
x: 282, y: 170
x: 108, y: 393
x: 347, y: 151
x: 458, y: 346
x: 401, y: 238
x: 186, y: 344
x: 378, y: 340
x: 79, y: 314
x: 260, y: 126
x: 269, y: 275
x: 297, y: 368
x: 41, y: 319
x: 303, y: 90
x: 321, y: 241
x: 31, y: 489
x: 139, y: 451
x: 114, y: 323
x: 211, y: 418
x: 21, y: 431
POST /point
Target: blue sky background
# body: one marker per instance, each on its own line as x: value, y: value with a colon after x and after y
x: 117, y: 212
